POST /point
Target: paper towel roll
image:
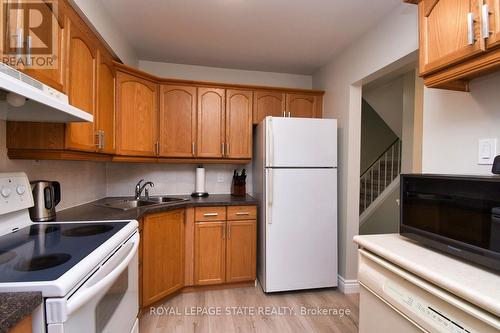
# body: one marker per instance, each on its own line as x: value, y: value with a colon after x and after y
x: 200, y: 180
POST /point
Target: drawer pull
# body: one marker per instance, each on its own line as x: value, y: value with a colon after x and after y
x: 211, y: 214
x: 243, y: 213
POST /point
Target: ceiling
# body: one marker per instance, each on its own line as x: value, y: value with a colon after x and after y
x: 289, y: 36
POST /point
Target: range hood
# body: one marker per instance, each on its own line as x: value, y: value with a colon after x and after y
x: 23, y: 98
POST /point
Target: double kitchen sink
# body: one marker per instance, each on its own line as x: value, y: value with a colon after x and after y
x: 127, y: 204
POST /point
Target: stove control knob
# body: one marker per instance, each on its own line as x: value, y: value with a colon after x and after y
x: 21, y: 189
x: 5, y: 192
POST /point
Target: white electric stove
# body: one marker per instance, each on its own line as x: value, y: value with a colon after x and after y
x: 87, y: 272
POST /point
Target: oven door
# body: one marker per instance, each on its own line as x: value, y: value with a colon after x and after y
x: 107, y: 302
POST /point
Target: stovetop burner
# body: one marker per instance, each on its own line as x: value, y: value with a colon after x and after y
x: 87, y: 230
x: 42, y: 262
x: 6, y: 256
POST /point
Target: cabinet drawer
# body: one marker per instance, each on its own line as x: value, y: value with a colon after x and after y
x: 241, y: 213
x: 210, y: 214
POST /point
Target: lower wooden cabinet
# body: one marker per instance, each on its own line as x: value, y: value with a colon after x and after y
x: 162, y: 261
x: 209, y: 253
x: 225, y: 251
x: 241, y: 251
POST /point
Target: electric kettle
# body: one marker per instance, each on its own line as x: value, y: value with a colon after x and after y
x: 46, y: 196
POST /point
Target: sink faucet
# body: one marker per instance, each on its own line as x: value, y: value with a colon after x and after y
x: 139, y: 187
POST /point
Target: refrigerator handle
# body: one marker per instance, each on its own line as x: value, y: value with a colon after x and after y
x: 269, y: 196
x: 271, y: 143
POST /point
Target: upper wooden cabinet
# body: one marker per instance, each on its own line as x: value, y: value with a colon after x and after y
x: 162, y: 256
x: 82, y: 58
x: 268, y: 103
x: 459, y: 41
x: 136, y: 116
x: 177, y: 121
x: 105, y: 102
x: 303, y: 106
x: 238, y: 124
x: 211, y: 123
x: 448, y: 32
x: 493, y: 10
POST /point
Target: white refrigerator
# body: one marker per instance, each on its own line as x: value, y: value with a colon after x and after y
x: 295, y: 181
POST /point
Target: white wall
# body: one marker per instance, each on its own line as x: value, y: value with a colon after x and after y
x: 102, y: 22
x: 393, y: 38
x: 455, y: 121
x: 81, y: 182
x: 225, y: 75
x: 387, y: 101
x: 170, y: 178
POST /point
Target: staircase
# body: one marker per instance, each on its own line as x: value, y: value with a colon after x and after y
x: 380, y: 175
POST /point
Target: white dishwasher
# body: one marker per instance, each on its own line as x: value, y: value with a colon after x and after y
x: 394, y: 300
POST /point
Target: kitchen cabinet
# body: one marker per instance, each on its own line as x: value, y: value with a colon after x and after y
x: 225, y: 250
x: 493, y: 10
x: 459, y: 41
x: 267, y: 103
x: 162, y: 263
x: 211, y: 123
x: 241, y: 250
x: 81, y: 73
x: 303, y: 106
x: 209, y: 252
x: 178, y: 119
x: 238, y: 124
x: 136, y: 116
x: 448, y: 35
x: 105, y: 94
x: 24, y: 326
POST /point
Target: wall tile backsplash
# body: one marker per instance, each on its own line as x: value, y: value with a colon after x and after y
x: 170, y: 178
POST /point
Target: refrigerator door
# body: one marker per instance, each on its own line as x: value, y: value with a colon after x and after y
x: 301, y: 142
x: 300, y: 229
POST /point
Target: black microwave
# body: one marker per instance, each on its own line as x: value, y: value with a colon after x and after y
x: 459, y: 215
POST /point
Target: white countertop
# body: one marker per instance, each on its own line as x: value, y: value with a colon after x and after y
x: 478, y: 286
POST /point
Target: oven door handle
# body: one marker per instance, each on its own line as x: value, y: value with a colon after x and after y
x: 91, y: 290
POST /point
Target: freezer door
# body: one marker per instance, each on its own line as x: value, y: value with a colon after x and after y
x: 301, y: 142
x: 301, y: 229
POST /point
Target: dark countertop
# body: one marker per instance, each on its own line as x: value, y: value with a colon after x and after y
x: 14, y: 307
x: 93, y: 212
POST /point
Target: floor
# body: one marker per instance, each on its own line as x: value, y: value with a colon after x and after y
x: 250, y: 310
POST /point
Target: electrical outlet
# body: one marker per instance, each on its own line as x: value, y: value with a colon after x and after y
x: 487, y: 150
x: 220, y: 177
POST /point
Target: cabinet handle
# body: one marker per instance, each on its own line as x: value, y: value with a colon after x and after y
x: 471, y: 39
x: 229, y: 231
x: 211, y: 214
x: 227, y: 149
x: 99, y: 137
x: 193, y: 148
x: 29, y: 40
x: 485, y: 13
x: 284, y: 113
x: 157, y: 148
x: 242, y: 213
x: 223, y: 149
x: 103, y: 139
x: 289, y: 114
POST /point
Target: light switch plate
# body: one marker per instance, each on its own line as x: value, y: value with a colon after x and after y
x: 220, y: 177
x: 487, y: 150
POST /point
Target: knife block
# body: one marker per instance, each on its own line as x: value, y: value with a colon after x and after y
x: 238, y: 186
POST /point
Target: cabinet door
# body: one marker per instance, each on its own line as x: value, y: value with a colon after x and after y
x: 177, y: 121
x: 136, y: 116
x: 162, y: 255
x: 211, y: 123
x: 493, y: 39
x: 241, y: 251
x: 444, y: 33
x: 209, y: 252
x: 105, y: 102
x: 302, y: 106
x: 53, y: 73
x: 238, y: 124
x: 81, y: 85
x: 267, y: 103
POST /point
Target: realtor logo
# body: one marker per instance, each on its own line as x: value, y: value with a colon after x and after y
x: 30, y: 31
